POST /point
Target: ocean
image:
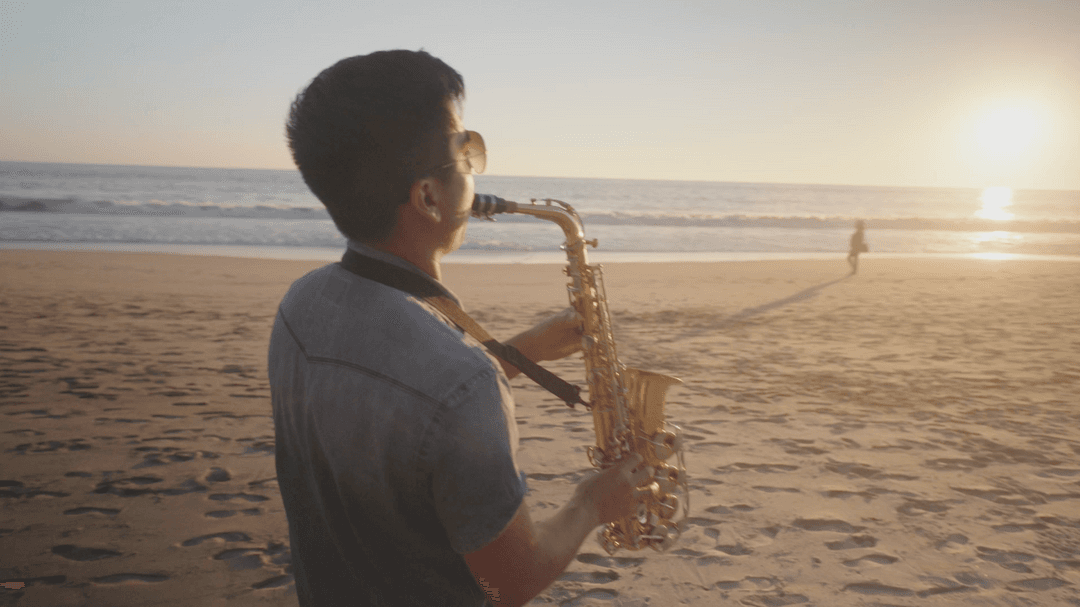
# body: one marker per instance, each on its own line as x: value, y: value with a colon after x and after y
x: 271, y: 213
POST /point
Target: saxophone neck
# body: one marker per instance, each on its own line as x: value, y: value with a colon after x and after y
x: 557, y: 211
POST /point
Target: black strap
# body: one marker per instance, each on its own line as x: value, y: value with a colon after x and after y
x: 427, y: 289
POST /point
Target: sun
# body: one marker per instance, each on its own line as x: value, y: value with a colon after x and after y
x: 1007, y: 132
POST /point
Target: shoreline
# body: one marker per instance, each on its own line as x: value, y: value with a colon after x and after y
x: 292, y: 253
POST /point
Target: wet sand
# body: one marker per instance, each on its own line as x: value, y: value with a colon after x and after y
x: 906, y: 436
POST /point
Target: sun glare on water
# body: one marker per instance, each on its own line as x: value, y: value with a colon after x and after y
x: 994, y: 202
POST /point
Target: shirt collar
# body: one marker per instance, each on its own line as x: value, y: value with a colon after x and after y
x: 390, y: 258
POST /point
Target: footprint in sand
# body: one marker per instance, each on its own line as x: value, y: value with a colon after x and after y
x: 947, y: 589
x: 700, y: 521
x: 278, y: 581
x: 589, y: 577
x: 76, y: 444
x: 218, y: 475
x: 125, y: 578
x: 770, y: 531
x: 265, y: 483
x: 947, y: 463
x: 228, y: 513
x: 240, y: 559
x: 843, y: 494
x: 77, y: 553
x: 1018, y: 527
x: 767, y: 489
x: 973, y: 579
x: 260, y: 446
x: 120, y: 420
x: 275, y: 554
x: 227, y: 536
x: 1013, y: 561
x: 226, y: 497
x: 110, y: 512
x: 25, y: 432
x: 48, y: 580
x: 587, y: 597
x: 763, y: 468
x: 821, y: 524
x: 735, y: 549
x: 120, y: 487
x: 1061, y: 522
x: 855, y: 541
x: 876, y: 588
x: 858, y: 470
x: 1059, y: 472
x: 729, y: 509
x: 993, y: 495
x: 590, y: 558
x: 16, y: 489
x: 158, y: 456
x: 914, y: 507
x: 776, y: 600
x: 1044, y: 583
x: 952, y: 543
x: 796, y: 446
x: 877, y: 559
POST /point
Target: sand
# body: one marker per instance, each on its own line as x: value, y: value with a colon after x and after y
x: 906, y: 436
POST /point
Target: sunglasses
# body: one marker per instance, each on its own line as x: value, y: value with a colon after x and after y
x: 475, y: 153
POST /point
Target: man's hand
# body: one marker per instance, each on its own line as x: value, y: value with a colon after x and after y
x: 555, y: 337
x: 527, y: 557
x: 613, y: 493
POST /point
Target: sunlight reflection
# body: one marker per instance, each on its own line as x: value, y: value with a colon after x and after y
x: 994, y: 200
x: 995, y: 256
x: 998, y: 236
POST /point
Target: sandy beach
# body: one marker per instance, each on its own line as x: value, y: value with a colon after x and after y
x: 906, y: 436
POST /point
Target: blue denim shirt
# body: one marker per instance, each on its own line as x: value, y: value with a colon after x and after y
x: 395, y: 443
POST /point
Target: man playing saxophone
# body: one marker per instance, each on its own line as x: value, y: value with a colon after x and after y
x: 395, y: 432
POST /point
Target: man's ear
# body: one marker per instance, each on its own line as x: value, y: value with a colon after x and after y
x: 422, y: 198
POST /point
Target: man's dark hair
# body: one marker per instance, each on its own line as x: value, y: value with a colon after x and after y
x: 367, y: 128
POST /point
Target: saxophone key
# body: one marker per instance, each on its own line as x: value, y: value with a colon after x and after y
x: 668, y: 478
x: 663, y: 537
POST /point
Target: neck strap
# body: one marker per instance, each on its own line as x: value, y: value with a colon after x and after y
x: 425, y: 288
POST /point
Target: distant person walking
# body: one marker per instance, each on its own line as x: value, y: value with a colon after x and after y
x: 858, y: 245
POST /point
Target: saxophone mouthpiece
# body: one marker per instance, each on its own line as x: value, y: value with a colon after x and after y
x: 486, y: 205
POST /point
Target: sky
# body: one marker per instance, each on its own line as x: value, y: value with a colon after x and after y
x: 903, y: 93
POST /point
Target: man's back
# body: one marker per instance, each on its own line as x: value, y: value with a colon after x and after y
x: 395, y: 442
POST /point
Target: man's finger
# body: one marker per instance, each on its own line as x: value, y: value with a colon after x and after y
x: 634, y: 460
x: 640, y: 493
x: 642, y: 476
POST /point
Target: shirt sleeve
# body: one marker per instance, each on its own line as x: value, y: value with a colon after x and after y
x: 476, y: 485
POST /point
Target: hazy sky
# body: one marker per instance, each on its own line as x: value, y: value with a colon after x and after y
x: 953, y: 93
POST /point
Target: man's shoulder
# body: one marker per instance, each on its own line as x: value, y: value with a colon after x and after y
x: 340, y: 316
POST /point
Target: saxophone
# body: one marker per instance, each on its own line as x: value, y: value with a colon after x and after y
x: 627, y: 404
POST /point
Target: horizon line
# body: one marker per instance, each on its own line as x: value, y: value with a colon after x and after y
x: 774, y: 183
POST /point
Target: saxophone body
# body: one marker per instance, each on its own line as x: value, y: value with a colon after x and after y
x: 627, y: 404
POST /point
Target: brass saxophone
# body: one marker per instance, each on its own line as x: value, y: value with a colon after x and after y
x: 627, y: 404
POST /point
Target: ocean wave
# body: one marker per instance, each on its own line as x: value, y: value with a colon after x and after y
x: 156, y: 208
x: 644, y: 219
